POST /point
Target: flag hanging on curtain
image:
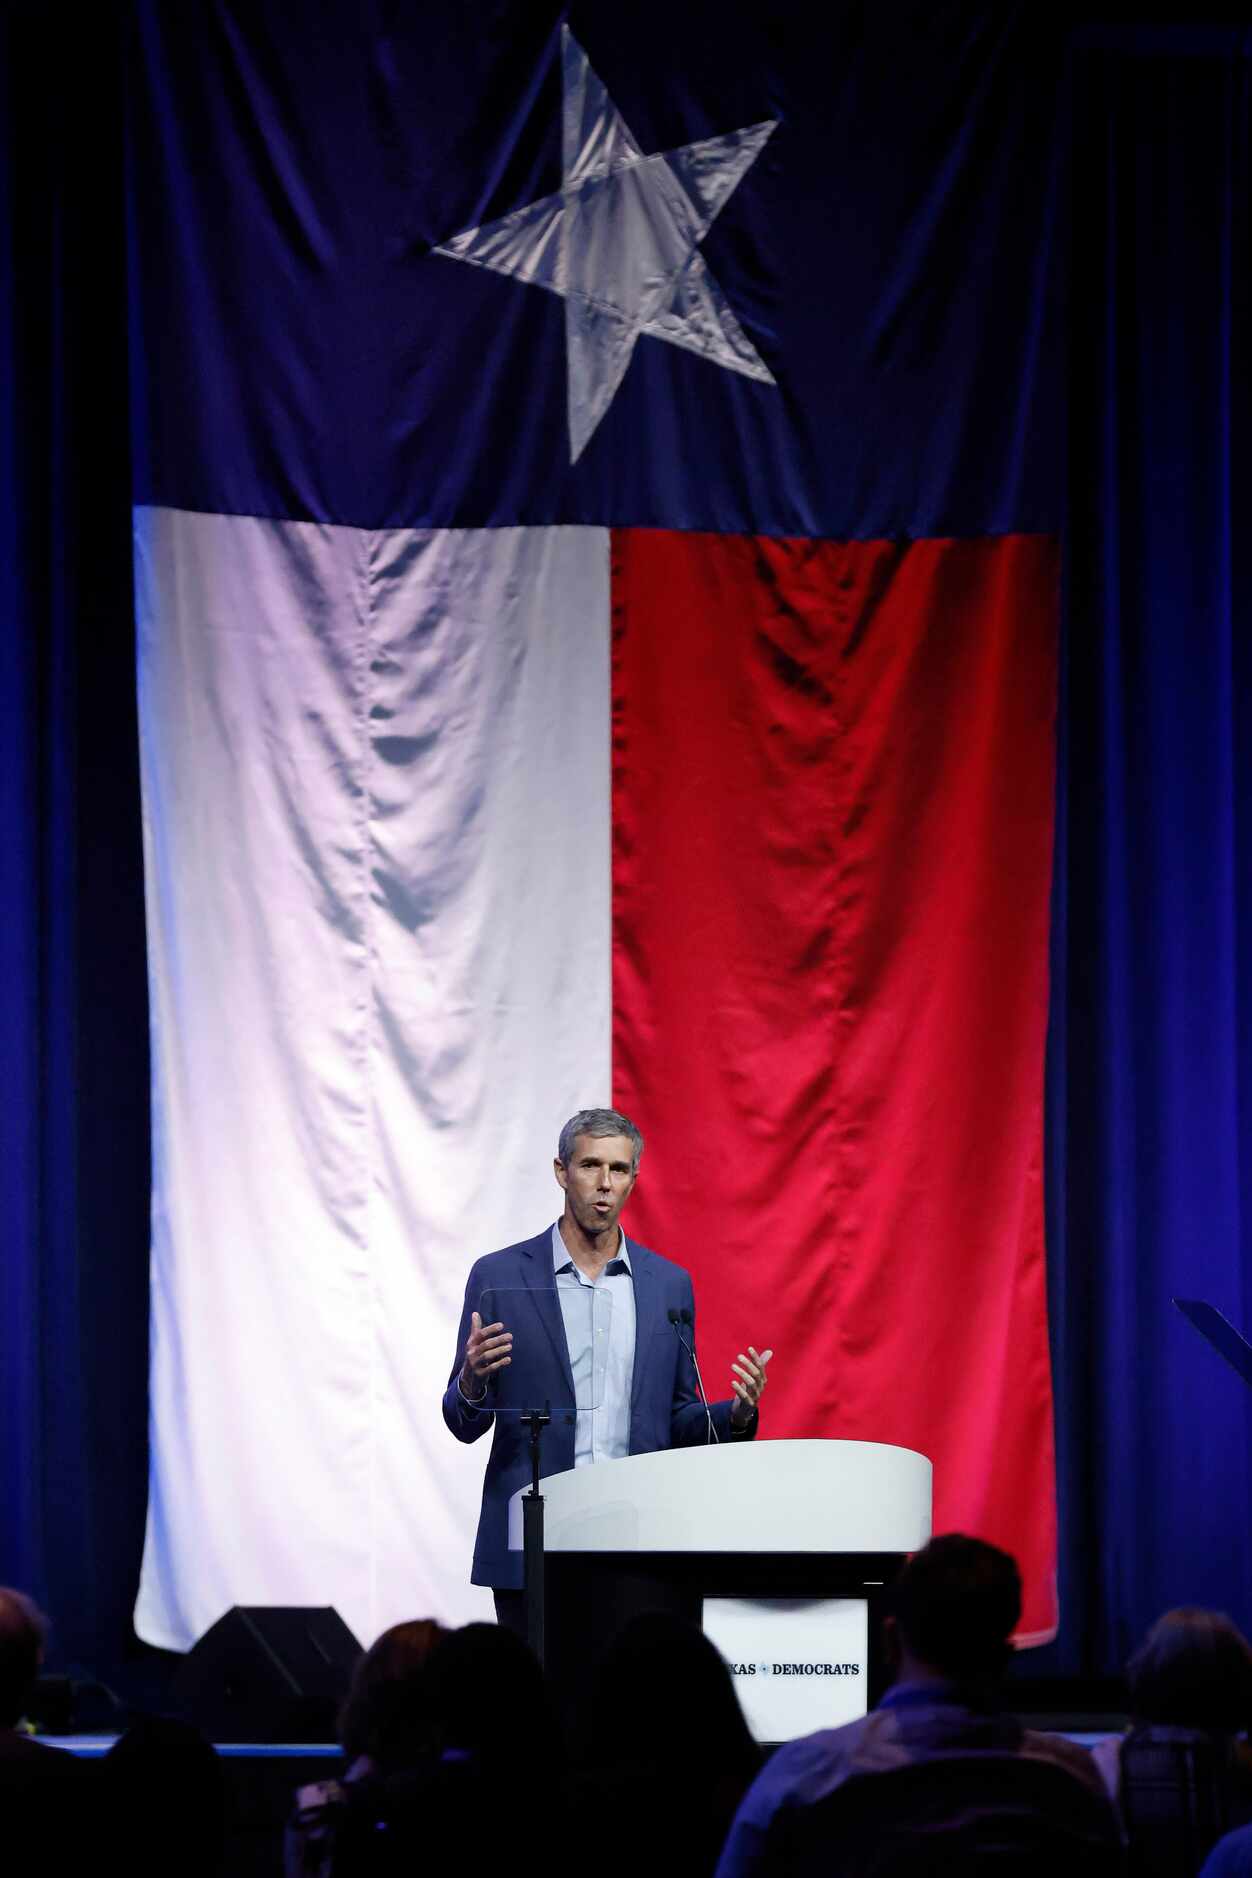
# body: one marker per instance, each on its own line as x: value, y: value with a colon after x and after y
x: 595, y: 548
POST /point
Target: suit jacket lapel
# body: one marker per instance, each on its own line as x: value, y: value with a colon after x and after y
x: 649, y: 1316
x: 541, y: 1282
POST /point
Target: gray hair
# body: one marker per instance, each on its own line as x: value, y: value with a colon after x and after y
x: 597, y: 1123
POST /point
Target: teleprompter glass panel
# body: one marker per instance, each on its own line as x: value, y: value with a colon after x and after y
x: 562, y: 1334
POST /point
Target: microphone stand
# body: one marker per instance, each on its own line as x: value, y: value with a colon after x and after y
x: 678, y: 1319
x: 532, y: 1533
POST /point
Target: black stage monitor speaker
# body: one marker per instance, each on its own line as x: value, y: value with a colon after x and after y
x: 268, y: 1673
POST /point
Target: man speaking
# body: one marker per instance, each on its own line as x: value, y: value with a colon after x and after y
x: 645, y: 1393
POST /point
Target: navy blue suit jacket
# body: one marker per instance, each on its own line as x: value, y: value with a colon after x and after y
x: 665, y: 1407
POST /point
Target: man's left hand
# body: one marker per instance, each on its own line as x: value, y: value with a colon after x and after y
x: 748, y: 1384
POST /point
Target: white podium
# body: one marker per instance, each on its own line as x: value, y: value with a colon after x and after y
x: 742, y: 1496
x: 782, y: 1549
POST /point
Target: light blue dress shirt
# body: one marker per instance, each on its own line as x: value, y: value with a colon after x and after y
x: 600, y: 1337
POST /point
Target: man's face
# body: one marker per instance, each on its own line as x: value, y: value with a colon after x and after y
x: 597, y: 1181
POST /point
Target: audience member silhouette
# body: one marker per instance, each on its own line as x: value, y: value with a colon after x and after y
x: 485, y: 1696
x: 1231, y: 1857
x: 164, y: 1801
x: 953, y: 1611
x: 491, y: 1774
x: 40, y: 1824
x: 662, y: 1749
x: 1181, y: 1776
x: 384, y: 1726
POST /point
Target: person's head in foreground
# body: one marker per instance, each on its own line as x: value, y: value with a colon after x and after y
x: 953, y: 1609
x: 662, y: 1693
x: 384, y: 1715
x: 165, y: 1796
x: 484, y: 1691
x: 1192, y: 1670
x: 23, y: 1629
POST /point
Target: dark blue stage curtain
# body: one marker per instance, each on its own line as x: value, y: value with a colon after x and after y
x: 73, y: 1024
x: 1151, y: 1065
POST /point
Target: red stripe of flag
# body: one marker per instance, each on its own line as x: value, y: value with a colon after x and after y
x: 832, y: 838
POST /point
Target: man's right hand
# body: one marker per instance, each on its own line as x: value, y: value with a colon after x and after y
x: 487, y: 1348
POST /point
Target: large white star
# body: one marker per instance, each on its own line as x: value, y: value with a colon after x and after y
x: 619, y: 242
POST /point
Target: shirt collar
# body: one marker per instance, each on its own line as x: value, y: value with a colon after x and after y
x: 562, y: 1261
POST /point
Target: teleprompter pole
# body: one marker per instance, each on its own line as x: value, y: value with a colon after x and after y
x: 532, y: 1533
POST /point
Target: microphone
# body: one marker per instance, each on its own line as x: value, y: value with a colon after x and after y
x: 678, y: 1319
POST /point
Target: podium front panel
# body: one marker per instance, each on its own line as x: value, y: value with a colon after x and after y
x: 591, y: 1595
x: 798, y: 1664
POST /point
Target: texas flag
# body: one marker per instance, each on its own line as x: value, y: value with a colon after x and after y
x: 597, y: 477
